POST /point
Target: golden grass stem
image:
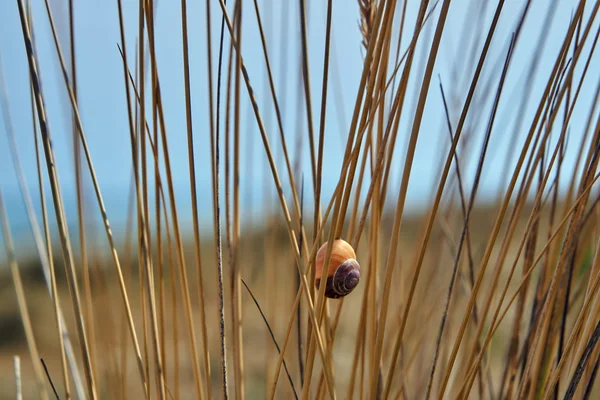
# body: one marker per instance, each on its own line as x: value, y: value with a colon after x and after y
x: 278, y: 185
x: 393, y: 340
x: 308, y: 96
x: 80, y: 203
x: 22, y: 301
x: 45, y: 255
x: 236, y: 264
x: 216, y: 168
x: 174, y: 216
x: 373, y: 380
x: 193, y: 189
x: 18, y: 383
x: 341, y: 202
x: 58, y: 205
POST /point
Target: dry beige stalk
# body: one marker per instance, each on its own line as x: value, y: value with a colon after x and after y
x: 368, y: 10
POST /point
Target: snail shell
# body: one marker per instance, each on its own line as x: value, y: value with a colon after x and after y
x: 343, y: 271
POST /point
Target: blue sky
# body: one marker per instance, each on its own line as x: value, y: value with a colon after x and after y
x: 104, y: 112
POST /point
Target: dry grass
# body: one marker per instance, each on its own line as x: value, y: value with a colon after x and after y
x: 469, y: 299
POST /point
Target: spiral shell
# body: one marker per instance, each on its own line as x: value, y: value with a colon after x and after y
x: 343, y: 271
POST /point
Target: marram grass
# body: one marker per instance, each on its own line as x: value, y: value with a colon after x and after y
x: 471, y: 296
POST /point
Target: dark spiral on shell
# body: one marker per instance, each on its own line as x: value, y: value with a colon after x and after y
x: 345, y: 279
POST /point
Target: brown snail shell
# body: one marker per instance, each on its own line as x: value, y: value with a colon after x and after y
x: 343, y: 271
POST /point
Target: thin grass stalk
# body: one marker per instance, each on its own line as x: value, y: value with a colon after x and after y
x: 531, y: 225
x: 588, y: 324
x: 215, y: 158
x: 135, y: 146
x: 174, y: 307
x: 46, y: 256
x: 156, y: 340
x: 18, y: 382
x: 159, y: 250
x: 594, y: 286
x: 553, y: 236
x: 360, y: 336
x: 367, y: 80
x: 139, y: 149
x: 297, y: 302
x: 341, y: 203
x: 401, y: 91
x: 319, y: 170
x: 176, y: 231
x: 133, y: 136
x: 84, y: 143
x: 22, y: 301
x: 526, y: 93
x: 592, y: 341
x: 377, y: 171
x: 127, y: 256
x: 530, y: 174
x: 174, y: 319
x: 227, y: 189
x: 227, y: 168
x: 59, y: 211
x: 543, y: 283
x: 377, y: 141
x: 143, y: 300
x: 229, y: 208
x: 236, y: 293
x: 554, y: 338
x: 552, y: 287
x: 178, y: 240
x: 285, y: 153
x: 297, y: 288
x: 374, y: 242
x: 270, y: 275
x: 211, y: 113
x: 570, y: 102
x: 568, y: 215
x: 574, y: 225
x: 192, y: 170
x: 283, y: 91
x: 511, y: 356
x: 463, y: 205
x: 80, y: 203
x: 591, y: 380
x: 361, y: 174
x: 272, y: 337
x: 467, y: 218
x: 373, y: 376
x: 275, y: 175
x: 144, y: 229
x: 317, y: 178
x: 391, y: 132
x: 402, y: 86
x: 278, y: 109
x: 368, y: 25
x: 383, y: 22
x: 45, y: 252
x: 308, y: 101
x: 594, y: 371
x: 399, y: 44
x: 569, y: 106
x: 492, y: 238
x: 511, y: 364
x: 572, y: 183
x: 477, y: 344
